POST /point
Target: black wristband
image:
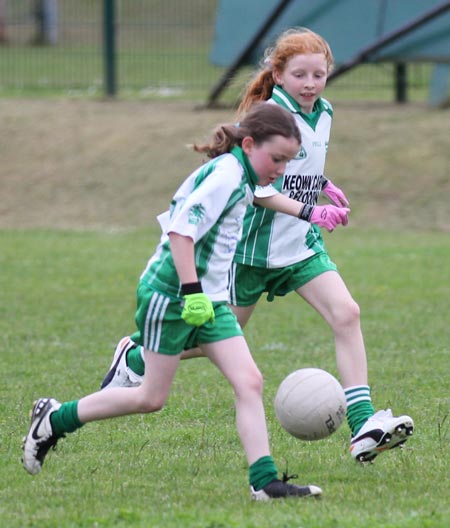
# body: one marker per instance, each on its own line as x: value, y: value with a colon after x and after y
x: 191, y: 287
x: 324, y: 182
x: 306, y: 212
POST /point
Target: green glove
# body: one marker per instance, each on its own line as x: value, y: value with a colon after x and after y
x: 198, y: 309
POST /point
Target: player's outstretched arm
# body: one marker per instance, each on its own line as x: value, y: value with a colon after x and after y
x: 281, y: 203
x: 326, y: 216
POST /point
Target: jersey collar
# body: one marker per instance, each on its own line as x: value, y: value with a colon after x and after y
x: 284, y: 99
x: 252, y: 178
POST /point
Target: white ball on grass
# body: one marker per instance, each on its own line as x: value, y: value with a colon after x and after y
x: 310, y: 404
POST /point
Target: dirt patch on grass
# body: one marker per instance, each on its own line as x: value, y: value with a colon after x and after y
x: 112, y: 165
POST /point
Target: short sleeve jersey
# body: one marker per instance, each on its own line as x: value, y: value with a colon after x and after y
x: 209, y: 207
x: 275, y: 240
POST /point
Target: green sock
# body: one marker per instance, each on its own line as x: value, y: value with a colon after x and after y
x: 65, y: 419
x: 359, y: 407
x: 135, y: 361
x: 262, y: 472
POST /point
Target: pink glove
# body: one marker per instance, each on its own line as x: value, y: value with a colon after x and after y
x: 335, y: 194
x: 329, y: 216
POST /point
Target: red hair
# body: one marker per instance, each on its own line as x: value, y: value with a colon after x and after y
x: 297, y: 41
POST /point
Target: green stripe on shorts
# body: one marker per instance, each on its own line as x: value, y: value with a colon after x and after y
x: 162, y: 330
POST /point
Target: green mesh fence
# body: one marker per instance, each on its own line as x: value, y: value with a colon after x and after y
x: 163, y: 49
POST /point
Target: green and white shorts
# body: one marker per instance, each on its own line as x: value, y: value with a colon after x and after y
x: 248, y: 283
x: 162, y: 330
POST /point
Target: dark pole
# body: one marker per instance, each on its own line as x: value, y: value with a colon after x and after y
x: 229, y: 74
x: 390, y: 37
x: 109, y: 47
x: 401, y: 82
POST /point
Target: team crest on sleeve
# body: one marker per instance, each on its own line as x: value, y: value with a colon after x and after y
x: 196, y: 214
x: 301, y: 154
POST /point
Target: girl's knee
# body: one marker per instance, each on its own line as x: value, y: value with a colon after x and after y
x: 257, y: 381
x: 146, y: 404
x: 149, y: 407
x: 346, y: 314
x: 353, y: 310
x: 252, y: 382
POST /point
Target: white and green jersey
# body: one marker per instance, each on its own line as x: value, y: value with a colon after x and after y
x: 209, y: 207
x: 275, y: 240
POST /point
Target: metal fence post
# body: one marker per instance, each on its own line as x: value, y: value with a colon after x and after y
x: 109, y: 47
x: 401, y: 82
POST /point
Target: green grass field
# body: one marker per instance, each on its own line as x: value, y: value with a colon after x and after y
x: 81, y: 182
x: 68, y: 296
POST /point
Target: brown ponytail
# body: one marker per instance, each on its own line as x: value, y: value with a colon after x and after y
x: 262, y: 121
